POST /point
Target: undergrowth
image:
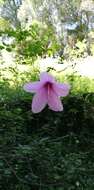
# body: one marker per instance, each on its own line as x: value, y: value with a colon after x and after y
x: 49, y: 150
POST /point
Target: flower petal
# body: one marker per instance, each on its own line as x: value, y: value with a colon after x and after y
x: 39, y: 101
x: 61, y: 89
x: 45, y: 77
x: 32, y: 86
x: 54, y: 102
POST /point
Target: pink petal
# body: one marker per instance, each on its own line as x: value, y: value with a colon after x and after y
x: 45, y: 77
x: 54, y: 102
x: 61, y: 89
x: 39, y: 101
x: 32, y: 86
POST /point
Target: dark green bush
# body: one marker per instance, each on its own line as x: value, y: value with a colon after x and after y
x: 47, y: 151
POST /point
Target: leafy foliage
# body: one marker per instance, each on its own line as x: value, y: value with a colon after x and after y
x: 37, y: 40
x: 47, y: 151
x: 78, y: 50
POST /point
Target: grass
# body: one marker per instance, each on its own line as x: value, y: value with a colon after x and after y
x: 49, y: 150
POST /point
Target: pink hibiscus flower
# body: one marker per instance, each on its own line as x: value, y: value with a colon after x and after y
x: 47, y: 91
